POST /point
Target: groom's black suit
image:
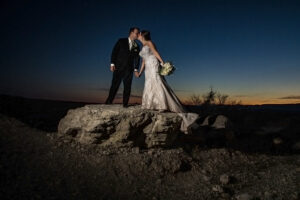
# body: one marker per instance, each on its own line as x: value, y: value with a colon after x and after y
x: 125, y: 62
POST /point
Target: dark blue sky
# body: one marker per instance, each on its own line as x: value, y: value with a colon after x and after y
x: 61, y: 49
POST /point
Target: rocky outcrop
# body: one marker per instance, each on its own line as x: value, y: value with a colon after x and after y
x: 114, y: 125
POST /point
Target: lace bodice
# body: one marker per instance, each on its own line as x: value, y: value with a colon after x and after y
x: 146, y: 52
x: 151, y: 62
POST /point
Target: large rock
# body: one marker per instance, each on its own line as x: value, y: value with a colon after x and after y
x: 217, y: 128
x: 217, y: 122
x: 115, y: 125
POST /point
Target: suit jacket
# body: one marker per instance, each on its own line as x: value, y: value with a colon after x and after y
x: 123, y: 58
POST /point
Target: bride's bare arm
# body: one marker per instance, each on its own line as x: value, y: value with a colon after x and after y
x: 155, y: 52
x: 142, y: 67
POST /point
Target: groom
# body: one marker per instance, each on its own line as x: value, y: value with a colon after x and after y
x: 124, y: 60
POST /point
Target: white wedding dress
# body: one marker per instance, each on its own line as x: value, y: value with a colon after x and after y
x: 158, y: 95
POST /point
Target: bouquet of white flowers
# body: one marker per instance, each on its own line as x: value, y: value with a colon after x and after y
x: 166, y: 69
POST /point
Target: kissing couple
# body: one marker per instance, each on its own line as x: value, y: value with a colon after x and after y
x: 157, y: 94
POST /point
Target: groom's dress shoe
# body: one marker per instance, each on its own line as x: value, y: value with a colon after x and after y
x: 108, y: 102
x: 125, y: 105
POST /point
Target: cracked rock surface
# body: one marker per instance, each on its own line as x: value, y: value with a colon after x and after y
x: 117, y: 126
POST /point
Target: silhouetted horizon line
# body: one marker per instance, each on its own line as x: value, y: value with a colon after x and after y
x: 94, y: 102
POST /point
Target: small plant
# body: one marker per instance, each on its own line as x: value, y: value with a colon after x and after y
x: 222, y: 98
x: 212, y: 98
x: 209, y: 97
x: 194, y: 99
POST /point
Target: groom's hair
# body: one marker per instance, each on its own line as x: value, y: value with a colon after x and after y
x: 133, y: 28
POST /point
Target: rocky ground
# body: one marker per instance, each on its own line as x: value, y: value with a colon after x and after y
x: 38, y: 163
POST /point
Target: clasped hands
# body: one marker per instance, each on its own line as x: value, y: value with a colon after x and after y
x: 137, y: 74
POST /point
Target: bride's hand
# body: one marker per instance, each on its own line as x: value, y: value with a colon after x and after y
x: 136, y: 74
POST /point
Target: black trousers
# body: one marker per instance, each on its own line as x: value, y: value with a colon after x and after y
x: 118, y: 76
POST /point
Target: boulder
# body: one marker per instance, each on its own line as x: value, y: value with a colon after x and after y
x: 117, y: 126
x: 213, y: 129
x: 217, y: 122
x: 221, y: 122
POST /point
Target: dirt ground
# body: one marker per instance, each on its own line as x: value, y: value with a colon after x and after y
x: 39, y: 165
x: 36, y: 163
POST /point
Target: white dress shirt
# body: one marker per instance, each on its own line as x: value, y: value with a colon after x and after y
x: 130, y: 43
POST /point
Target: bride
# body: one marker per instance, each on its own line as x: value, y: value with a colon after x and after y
x: 157, y: 94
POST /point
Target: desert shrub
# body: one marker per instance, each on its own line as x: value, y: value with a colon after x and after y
x: 212, y: 97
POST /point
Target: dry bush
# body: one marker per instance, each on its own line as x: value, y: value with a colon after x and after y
x: 222, y: 98
x: 194, y: 99
x: 211, y: 98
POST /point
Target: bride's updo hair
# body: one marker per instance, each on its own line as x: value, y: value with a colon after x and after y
x: 146, y: 35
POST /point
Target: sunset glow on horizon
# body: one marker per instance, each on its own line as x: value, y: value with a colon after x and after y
x: 61, y: 50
